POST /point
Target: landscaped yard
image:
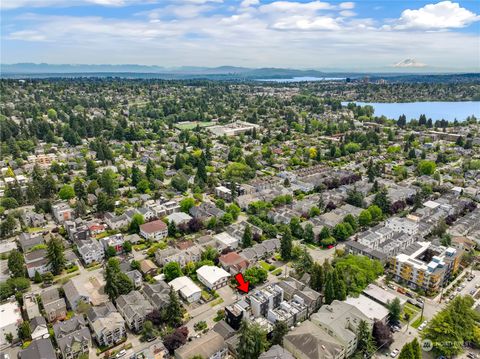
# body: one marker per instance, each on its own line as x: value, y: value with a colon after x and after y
x: 266, y: 266
x: 416, y: 323
x: 192, y: 125
x: 411, y: 310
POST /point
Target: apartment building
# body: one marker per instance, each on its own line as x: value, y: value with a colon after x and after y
x: 425, y: 266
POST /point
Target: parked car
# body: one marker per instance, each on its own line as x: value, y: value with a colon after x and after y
x: 394, y: 353
x: 121, y: 353
x: 391, y: 286
x: 472, y: 292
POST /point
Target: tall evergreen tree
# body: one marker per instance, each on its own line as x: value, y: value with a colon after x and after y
x: 16, y: 264
x: 308, y: 235
x: 247, y: 237
x: 279, y: 330
x: 340, y: 285
x: 366, y: 343
x: 329, y: 288
x: 55, y: 255
x: 79, y: 189
x: 174, y: 310
x: 286, y: 245
x: 252, y: 341
x: 136, y: 175
x: 317, y: 277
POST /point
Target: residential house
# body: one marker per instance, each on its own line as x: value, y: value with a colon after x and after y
x: 179, y: 218
x: 107, y: 324
x: 147, y: 267
x: 292, y: 287
x: 37, y: 261
x: 38, y: 328
x: 116, y: 222
x: 72, y: 337
x: 30, y: 305
x: 62, y: 212
x: 212, y: 277
x: 155, y: 230
x: 91, y: 251
x: 210, y: 345
x: 27, y: 241
x: 276, y: 352
x: 341, y: 321
x: 309, y: 341
x: 157, y: 294
x: 11, y: 315
x: 205, y: 211
x: 223, y: 193
x: 115, y: 241
x: 369, y: 308
x: 134, y: 307
x: 54, y: 306
x: 187, y: 289
x: 233, y: 262
x: 75, y: 293
x: 226, y: 240
x: 41, y: 348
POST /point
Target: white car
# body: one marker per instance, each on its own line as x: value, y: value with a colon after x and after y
x: 394, y: 353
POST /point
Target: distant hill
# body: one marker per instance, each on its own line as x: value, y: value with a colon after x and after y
x: 404, y: 72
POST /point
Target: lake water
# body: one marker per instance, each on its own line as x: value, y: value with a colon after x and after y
x: 304, y: 79
x: 435, y: 110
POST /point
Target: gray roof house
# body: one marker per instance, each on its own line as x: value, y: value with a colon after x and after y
x: 276, y: 352
x: 308, y: 341
x: 38, y: 349
x: 210, y: 345
x: 107, y: 324
x: 72, y: 336
x: 157, y: 294
x: 341, y: 321
x: 74, y: 294
x: 134, y: 307
x: 28, y: 241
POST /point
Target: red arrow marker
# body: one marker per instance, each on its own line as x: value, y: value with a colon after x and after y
x: 242, y: 285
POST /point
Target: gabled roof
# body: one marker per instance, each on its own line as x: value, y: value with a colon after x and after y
x: 38, y: 349
x: 313, y: 342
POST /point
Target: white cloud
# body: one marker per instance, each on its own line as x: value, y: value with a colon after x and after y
x: 315, y: 34
x: 305, y: 23
x: 439, y: 16
x: 16, y: 4
x: 248, y: 3
x: 293, y: 7
x: 347, y: 5
x: 348, y: 13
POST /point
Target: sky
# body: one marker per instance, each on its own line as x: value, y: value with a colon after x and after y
x: 360, y: 35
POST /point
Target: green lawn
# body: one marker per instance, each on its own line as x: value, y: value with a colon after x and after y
x: 192, y: 125
x: 410, y: 309
x: 416, y: 323
x: 277, y: 271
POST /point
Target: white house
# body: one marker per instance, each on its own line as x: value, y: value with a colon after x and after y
x: 226, y: 240
x: 11, y: 319
x: 155, y: 230
x: 213, y: 277
x: 90, y: 251
x: 187, y: 288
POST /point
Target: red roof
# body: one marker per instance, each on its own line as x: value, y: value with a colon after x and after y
x: 154, y: 226
x: 233, y: 258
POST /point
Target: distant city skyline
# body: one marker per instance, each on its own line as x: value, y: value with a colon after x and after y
x: 420, y: 36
